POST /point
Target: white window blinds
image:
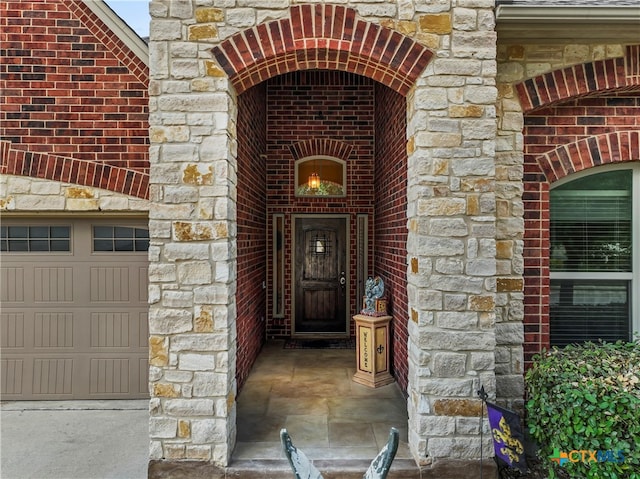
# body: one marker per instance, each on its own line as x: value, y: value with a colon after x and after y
x: 591, y: 259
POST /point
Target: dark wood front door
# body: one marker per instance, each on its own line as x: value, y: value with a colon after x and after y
x: 321, y: 276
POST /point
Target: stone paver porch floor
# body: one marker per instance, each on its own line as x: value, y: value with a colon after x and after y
x: 328, y: 415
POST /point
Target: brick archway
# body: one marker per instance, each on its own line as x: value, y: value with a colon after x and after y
x: 326, y: 37
x: 617, y: 74
x: 71, y: 170
x: 586, y: 153
x: 321, y: 146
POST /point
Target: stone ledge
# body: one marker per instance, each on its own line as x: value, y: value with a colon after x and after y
x: 184, y: 470
x: 459, y: 469
x: 330, y: 469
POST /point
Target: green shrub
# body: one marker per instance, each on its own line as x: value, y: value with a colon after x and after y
x: 587, y: 398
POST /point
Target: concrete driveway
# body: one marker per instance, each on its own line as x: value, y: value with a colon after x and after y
x: 74, y: 439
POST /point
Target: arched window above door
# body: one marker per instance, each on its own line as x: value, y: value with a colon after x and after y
x: 321, y: 176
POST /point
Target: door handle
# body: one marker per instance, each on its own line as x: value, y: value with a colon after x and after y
x: 342, y: 280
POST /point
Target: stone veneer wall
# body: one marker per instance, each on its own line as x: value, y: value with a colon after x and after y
x: 193, y: 252
x: 19, y: 194
x: 451, y: 242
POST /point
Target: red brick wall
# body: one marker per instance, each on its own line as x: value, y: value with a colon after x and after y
x: 327, y: 106
x: 251, y: 210
x: 560, y: 140
x: 70, y: 89
x: 390, y: 242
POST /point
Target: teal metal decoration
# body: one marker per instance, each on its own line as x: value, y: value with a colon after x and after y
x: 381, y: 464
x: 304, y: 469
x: 300, y: 463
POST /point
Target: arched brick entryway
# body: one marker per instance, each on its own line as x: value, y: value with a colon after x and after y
x: 366, y: 57
x: 435, y: 178
x: 316, y: 46
x: 616, y: 74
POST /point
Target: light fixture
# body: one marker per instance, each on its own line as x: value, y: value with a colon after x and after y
x: 314, y: 181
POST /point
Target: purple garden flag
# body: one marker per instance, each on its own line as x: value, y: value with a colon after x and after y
x: 508, y: 440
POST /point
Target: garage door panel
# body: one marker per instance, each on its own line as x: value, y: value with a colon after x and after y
x: 143, y: 330
x: 110, y: 329
x: 53, y: 284
x: 119, y: 329
x: 53, y: 330
x: 110, y: 376
x: 143, y: 285
x: 142, y: 378
x: 118, y: 377
x: 12, y: 284
x: 74, y: 325
x: 11, y: 330
x: 52, y: 376
x: 11, y: 371
x: 109, y: 284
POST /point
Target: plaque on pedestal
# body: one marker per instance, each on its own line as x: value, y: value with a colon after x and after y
x: 372, y: 346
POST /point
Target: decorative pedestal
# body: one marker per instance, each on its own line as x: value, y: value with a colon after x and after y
x: 372, y: 346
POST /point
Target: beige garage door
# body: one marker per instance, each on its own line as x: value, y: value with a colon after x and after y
x: 74, y: 309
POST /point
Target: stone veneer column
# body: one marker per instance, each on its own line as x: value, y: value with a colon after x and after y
x: 192, y: 222
x: 509, y: 247
x: 452, y: 232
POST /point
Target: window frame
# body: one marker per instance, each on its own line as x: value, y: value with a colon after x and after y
x: 9, y: 224
x: 324, y: 158
x: 114, y: 238
x: 277, y: 265
x: 632, y: 276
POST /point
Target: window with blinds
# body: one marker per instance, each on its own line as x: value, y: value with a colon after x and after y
x: 591, y: 259
x: 591, y: 224
x: 589, y: 311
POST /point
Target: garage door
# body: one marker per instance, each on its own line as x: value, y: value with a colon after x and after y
x: 74, y: 309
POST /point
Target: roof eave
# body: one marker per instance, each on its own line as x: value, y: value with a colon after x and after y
x: 120, y: 28
x: 506, y: 14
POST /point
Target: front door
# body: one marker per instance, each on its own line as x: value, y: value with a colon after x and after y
x: 320, y: 276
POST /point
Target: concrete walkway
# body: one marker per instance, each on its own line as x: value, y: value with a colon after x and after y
x: 74, y: 439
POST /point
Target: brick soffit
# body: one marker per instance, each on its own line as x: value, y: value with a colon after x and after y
x: 322, y: 37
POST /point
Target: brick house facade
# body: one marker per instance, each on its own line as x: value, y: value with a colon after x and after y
x: 453, y: 123
x: 74, y: 151
x: 75, y: 102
